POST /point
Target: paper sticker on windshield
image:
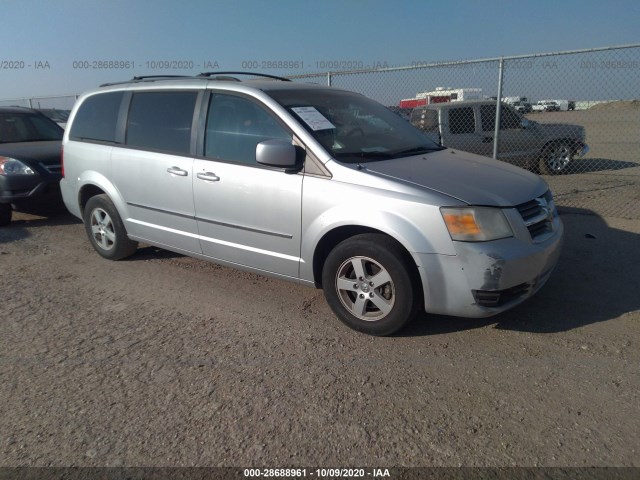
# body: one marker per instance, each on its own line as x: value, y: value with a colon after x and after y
x: 313, y: 118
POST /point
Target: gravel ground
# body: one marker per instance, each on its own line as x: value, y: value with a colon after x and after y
x: 163, y: 360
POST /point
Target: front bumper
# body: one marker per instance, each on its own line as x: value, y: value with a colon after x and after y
x: 486, y: 278
x: 22, y: 189
x: 582, y: 149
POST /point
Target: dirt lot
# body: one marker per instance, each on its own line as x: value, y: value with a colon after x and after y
x: 165, y: 360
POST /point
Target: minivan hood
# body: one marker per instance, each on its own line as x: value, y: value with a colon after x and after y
x: 470, y: 178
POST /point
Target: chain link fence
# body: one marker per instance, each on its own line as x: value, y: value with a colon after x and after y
x: 554, y: 106
x: 61, y: 102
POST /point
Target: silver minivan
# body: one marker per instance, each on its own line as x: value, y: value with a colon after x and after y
x: 308, y: 183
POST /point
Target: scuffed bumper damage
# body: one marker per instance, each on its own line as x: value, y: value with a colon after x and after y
x: 484, y: 279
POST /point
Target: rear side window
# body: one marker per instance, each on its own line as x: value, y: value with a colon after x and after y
x: 462, y: 120
x: 97, y: 117
x: 161, y: 121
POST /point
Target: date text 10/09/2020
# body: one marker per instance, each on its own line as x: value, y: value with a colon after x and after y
x: 149, y: 64
x: 317, y: 472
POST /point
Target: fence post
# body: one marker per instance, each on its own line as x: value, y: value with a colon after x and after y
x: 496, y: 130
x: 30, y: 103
x: 328, y: 79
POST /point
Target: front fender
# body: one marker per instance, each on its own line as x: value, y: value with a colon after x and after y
x: 429, y: 235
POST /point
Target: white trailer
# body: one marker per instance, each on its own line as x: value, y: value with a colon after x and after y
x: 511, y: 100
x: 442, y: 95
x: 563, y: 104
x: 454, y: 94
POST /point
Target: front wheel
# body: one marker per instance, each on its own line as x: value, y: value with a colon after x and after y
x: 106, y: 230
x: 368, y: 284
x: 556, y: 158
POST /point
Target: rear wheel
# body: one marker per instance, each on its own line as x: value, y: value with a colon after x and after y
x: 368, y: 284
x: 557, y: 158
x: 5, y: 214
x: 106, y: 230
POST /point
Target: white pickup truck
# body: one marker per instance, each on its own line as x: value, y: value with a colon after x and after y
x: 545, y: 106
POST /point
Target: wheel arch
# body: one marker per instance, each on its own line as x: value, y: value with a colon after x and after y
x: 93, y: 183
x: 575, y: 143
x: 85, y: 193
x: 341, y: 233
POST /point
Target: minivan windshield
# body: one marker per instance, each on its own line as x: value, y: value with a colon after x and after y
x: 353, y: 128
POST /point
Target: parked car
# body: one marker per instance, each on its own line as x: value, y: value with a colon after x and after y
x: 470, y: 126
x: 30, y: 167
x: 546, y: 106
x: 311, y: 184
x: 57, y: 115
x: 521, y: 107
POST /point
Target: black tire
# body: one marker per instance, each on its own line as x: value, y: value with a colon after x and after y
x: 105, y: 229
x: 557, y: 158
x: 361, y: 304
x: 5, y: 214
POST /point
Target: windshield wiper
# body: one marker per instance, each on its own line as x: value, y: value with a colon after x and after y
x: 365, y: 155
x: 376, y: 155
x: 417, y: 151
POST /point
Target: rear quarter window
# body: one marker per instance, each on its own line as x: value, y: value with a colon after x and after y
x: 97, y: 117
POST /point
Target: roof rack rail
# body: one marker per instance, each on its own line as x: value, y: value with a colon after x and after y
x: 145, y: 77
x: 275, y: 77
x: 142, y: 78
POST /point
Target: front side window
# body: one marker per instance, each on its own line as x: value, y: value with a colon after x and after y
x: 97, y: 117
x: 508, y: 118
x: 235, y: 126
x: 161, y: 121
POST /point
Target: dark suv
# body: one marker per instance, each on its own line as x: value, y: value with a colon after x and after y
x: 30, y: 164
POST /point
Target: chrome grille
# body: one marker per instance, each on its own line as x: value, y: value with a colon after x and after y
x: 538, y: 215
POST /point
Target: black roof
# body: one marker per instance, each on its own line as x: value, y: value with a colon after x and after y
x: 16, y: 109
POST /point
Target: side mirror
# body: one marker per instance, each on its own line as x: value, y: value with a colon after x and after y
x: 277, y: 153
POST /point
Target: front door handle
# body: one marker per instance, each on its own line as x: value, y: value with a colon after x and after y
x: 208, y: 177
x: 177, y: 171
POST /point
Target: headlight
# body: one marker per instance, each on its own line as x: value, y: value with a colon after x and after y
x: 476, y: 224
x: 11, y: 166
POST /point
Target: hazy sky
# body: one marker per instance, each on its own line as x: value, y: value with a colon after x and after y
x: 54, y: 47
